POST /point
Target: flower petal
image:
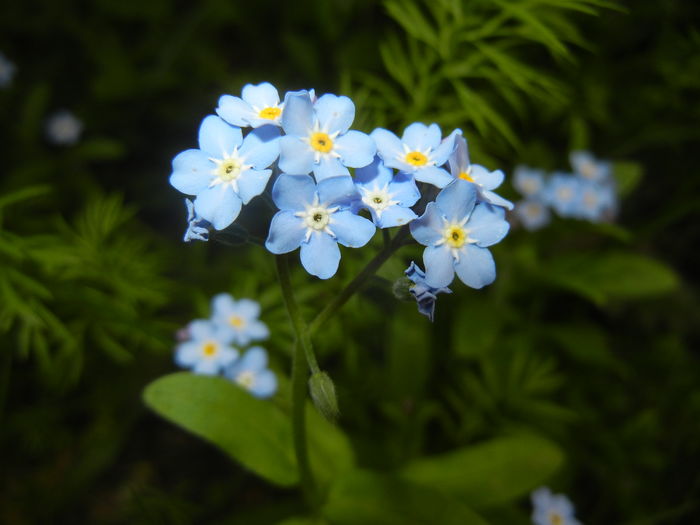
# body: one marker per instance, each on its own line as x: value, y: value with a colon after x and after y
x: 261, y: 147
x: 320, y: 256
x: 207, y: 367
x: 489, y: 180
x: 298, y: 114
x: 201, y: 329
x: 475, y: 267
x: 265, y: 384
x: 252, y: 183
x: 495, y: 199
x: 403, y: 188
x: 234, y: 110
x: 374, y: 173
x: 487, y: 225
x: 286, y: 232
x: 329, y: 167
x: 419, y: 137
x: 396, y: 216
x: 293, y: 192
x: 457, y: 200
x: 192, y: 172
x: 222, y: 305
x: 439, y: 266
x: 257, y: 330
x: 427, y: 229
x: 220, y: 205
x: 459, y: 160
x: 296, y: 156
x: 217, y: 138
x: 248, y: 309
x: 446, y: 148
x: 255, y: 360
x: 261, y: 96
x: 334, y: 113
x: 356, y: 149
x: 187, y: 354
x: 432, y: 175
x: 337, y: 191
x: 389, y: 146
x: 351, y: 230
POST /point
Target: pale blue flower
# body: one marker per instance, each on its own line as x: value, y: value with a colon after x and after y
x: 238, y: 320
x: 598, y: 202
x: 485, y: 180
x: 318, y: 137
x: 258, y: 105
x: 533, y: 214
x: 419, y: 151
x: 316, y: 218
x: 387, y: 197
x: 563, y: 193
x: 529, y: 182
x: 7, y: 71
x: 63, y: 128
x: 207, y: 351
x: 424, y: 294
x: 590, y: 168
x: 227, y: 170
x: 552, y: 509
x: 197, y: 228
x: 457, y: 232
x: 251, y: 373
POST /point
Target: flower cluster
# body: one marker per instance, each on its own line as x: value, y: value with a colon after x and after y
x: 307, y: 143
x: 552, y: 509
x: 588, y: 193
x: 212, y: 346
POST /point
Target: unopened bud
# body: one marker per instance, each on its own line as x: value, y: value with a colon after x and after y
x: 323, y: 395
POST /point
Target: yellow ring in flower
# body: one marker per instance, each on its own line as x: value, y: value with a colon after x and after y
x: 416, y: 158
x: 321, y: 142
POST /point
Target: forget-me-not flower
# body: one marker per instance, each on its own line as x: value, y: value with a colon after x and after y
x: 7, y: 71
x: 588, y: 167
x: 533, y: 214
x: 63, y: 128
x: 238, y: 320
x: 197, y: 228
x: 597, y: 202
x: 318, y: 137
x: 258, y: 105
x: 316, y: 218
x: 208, y: 350
x: 485, y: 180
x: 419, y: 151
x: 528, y: 181
x: 387, y: 197
x: 552, y: 509
x: 251, y: 373
x: 424, y: 294
x: 457, y: 232
x: 563, y: 193
x: 227, y: 170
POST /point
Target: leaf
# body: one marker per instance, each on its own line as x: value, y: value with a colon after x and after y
x: 627, y: 175
x: 490, y: 473
x: 364, y: 497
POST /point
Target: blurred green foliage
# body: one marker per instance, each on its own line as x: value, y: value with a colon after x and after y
x: 587, y: 342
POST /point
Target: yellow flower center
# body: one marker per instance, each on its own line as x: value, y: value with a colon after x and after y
x: 236, y: 321
x: 455, y: 236
x: 416, y: 158
x: 464, y: 175
x: 209, y: 349
x: 556, y: 519
x: 270, y: 113
x: 230, y: 169
x: 321, y: 142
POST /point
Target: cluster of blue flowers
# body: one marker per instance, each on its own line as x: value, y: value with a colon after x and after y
x: 552, y: 509
x: 588, y: 193
x: 306, y: 141
x: 212, y: 346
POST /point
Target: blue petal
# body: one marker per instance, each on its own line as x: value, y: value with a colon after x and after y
x: 489, y: 180
x: 234, y: 110
x: 457, y: 200
x: 252, y: 183
x: 334, y: 113
x: 296, y: 156
x: 217, y: 138
x: 376, y: 172
x: 258, y: 330
x: 248, y: 309
x: 487, y: 225
x: 222, y: 305
x: 356, y: 149
x: 321, y: 255
x: 404, y: 189
x: 255, y: 360
x: 459, y: 160
x: 389, y: 146
x: 475, y: 267
x: 329, y: 167
x: 261, y: 96
x: 261, y: 147
x: 495, y: 199
x: 351, y: 230
x: 419, y: 137
x: 286, y: 232
x: 298, y: 114
x: 427, y: 229
x: 207, y: 367
x: 265, y: 384
x: 187, y: 354
x: 337, y: 191
x: 439, y: 266
x: 220, y: 205
x: 192, y: 172
x: 432, y: 175
x: 396, y: 216
x: 201, y: 329
x: 446, y: 148
x: 293, y: 192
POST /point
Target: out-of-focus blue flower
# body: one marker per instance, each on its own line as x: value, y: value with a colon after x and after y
x: 552, y: 509
x: 457, y: 232
x: 529, y: 182
x: 590, y: 168
x: 251, y: 373
x: 257, y: 106
x: 419, y: 151
x: 563, y: 193
x: 533, y: 214
x: 317, y: 218
x: 227, y: 170
x: 485, y: 180
x: 318, y: 137
x: 424, y: 294
x: 63, y: 128
x: 238, y: 320
x: 387, y: 197
x: 207, y: 351
x: 598, y: 202
x: 7, y: 71
x: 197, y: 228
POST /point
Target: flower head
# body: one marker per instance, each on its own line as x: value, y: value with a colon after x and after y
x: 238, y: 320
x: 419, y: 151
x: 456, y: 232
x: 318, y: 137
x: 533, y: 214
x: 258, y: 105
x: 316, y: 218
x: 424, y: 294
x: 227, y: 170
x: 552, y: 509
x: 588, y: 167
x: 529, y: 182
x: 63, y: 128
x: 7, y: 71
x: 207, y: 351
x: 563, y: 193
x: 197, y: 228
x: 251, y: 372
x: 598, y: 201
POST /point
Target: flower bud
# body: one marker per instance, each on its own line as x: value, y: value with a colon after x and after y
x: 323, y: 395
x: 402, y: 289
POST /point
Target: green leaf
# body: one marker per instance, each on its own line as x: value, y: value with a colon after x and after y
x: 363, y: 497
x: 627, y: 175
x: 490, y: 473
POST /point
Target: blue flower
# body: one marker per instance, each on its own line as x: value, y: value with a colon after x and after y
x: 258, y: 106
x: 387, y: 197
x: 533, y: 214
x: 588, y: 167
x: 457, y: 232
x: 197, y: 228
x: 207, y: 351
x: 317, y: 218
x: 563, y: 193
x: 226, y: 171
x: 63, y: 128
x: 484, y: 179
x: 424, y: 294
x: 552, y: 509
x: 419, y: 151
x: 238, y: 320
x: 7, y: 71
x: 529, y: 182
x: 251, y: 373
x: 317, y: 137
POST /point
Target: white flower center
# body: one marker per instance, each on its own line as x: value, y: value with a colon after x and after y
x: 530, y: 186
x: 565, y: 193
x: 455, y: 235
x: 589, y: 170
x: 229, y: 169
x: 317, y: 218
x: 378, y: 199
x: 246, y: 379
